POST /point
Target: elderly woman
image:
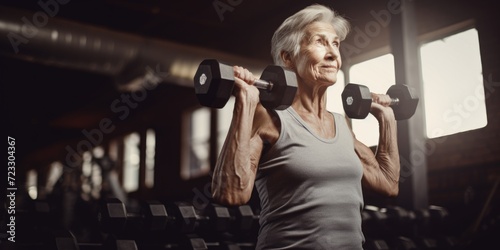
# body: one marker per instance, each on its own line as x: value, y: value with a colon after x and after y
x: 305, y: 162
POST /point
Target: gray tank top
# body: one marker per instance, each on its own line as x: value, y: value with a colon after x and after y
x: 310, y: 189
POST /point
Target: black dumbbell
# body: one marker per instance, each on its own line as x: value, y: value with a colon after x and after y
x: 375, y: 222
x: 186, y: 220
x: 214, y: 82
x: 63, y: 239
x: 246, y: 219
x: 215, y: 218
x: 245, y: 226
x: 230, y: 219
x: 400, y: 217
x: 66, y: 240
x: 357, y: 100
x: 376, y: 244
x: 426, y: 243
x: 404, y: 243
x: 114, y: 217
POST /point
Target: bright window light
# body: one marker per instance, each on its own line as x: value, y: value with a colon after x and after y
x: 453, y: 84
x: 333, y: 99
x: 150, y: 158
x: 131, y: 162
x: 378, y: 75
x: 32, y: 183
x: 196, y: 147
x: 55, y: 172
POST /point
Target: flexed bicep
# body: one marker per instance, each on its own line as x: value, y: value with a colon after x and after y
x: 380, y: 169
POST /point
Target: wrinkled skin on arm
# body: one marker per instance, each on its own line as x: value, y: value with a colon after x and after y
x: 251, y: 125
x: 381, y: 169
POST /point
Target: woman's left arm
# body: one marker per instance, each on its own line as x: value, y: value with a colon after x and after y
x: 381, y: 169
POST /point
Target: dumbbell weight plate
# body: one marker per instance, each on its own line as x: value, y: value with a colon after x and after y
x: 213, y: 83
x: 407, y: 104
x: 155, y: 215
x: 112, y: 215
x: 218, y: 218
x: 356, y: 100
x: 284, y: 88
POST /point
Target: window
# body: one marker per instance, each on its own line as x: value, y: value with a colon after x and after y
x: 132, y: 157
x: 55, y: 172
x: 378, y: 75
x: 131, y: 162
x: 196, y: 143
x: 32, y: 183
x: 150, y: 158
x: 453, y: 84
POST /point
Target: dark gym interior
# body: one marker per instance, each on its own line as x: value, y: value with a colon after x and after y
x: 79, y: 75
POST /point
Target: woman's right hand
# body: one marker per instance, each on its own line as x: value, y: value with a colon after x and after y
x: 244, y: 89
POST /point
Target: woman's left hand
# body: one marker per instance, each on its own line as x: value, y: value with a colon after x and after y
x: 380, y: 107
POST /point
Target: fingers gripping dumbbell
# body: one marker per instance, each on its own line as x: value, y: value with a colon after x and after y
x: 214, y: 82
x: 357, y: 101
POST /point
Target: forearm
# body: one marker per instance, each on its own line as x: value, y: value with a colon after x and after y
x: 387, y: 154
x: 381, y: 170
x: 234, y: 172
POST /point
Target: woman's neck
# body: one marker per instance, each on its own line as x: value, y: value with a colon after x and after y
x: 311, y: 100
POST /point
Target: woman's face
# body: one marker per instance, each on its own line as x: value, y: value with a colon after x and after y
x: 318, y: 60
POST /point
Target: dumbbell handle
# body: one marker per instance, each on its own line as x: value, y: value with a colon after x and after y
x: 259, y: 83
x: 262, y: 84
x: 394, y: 101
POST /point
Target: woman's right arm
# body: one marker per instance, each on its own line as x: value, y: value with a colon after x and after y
x: 236, y: 168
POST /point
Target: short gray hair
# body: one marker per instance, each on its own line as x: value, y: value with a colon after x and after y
x: 291, y: 32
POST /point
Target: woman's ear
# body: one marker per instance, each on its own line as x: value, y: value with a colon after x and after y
x: 286, y: 57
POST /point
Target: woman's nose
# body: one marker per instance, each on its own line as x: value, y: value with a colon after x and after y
x: 330, y: 57
x: 332, y: 52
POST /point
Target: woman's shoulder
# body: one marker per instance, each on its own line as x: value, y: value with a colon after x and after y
x: 267, y: 123
x: 339, y: 117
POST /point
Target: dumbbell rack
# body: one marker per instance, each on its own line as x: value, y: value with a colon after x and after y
x: 179, y: 225
x: 152, y: 225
